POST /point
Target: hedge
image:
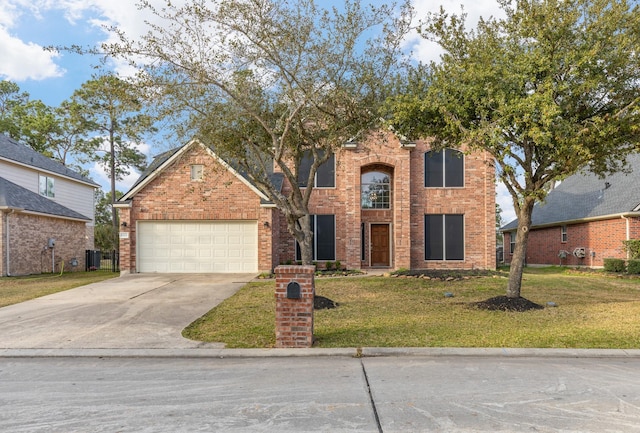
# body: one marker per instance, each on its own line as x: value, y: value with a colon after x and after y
x: 614, y: 265
x: 633, y: 267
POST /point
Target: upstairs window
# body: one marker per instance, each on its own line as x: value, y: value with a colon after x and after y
x: 46, y: 186
x: 196, y: 172
x: 325, y: 175
x: 375, y: 190
x: 444, y: 168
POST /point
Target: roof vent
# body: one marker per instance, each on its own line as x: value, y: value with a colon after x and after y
x: 607, y: 185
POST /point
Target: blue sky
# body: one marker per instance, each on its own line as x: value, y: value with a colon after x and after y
x: 27, y: 26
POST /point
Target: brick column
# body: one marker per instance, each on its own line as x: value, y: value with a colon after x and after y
x: 294, y: 316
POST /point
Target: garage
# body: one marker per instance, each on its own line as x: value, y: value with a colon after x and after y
x: 197, y: 246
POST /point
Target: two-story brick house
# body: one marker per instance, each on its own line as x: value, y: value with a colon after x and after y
x: 46, y: 212
x: 376, y: 204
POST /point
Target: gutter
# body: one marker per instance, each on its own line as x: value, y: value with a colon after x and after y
x: 624, y: 215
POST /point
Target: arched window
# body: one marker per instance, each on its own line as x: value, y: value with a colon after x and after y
x: 375, y: 190
x: 444, y: 168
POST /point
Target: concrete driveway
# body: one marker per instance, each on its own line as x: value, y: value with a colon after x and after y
x: 133, y: 311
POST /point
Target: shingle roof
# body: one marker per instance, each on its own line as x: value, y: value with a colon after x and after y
x: 585, y: 195
x: 14, y: 196
x: 15, y: 151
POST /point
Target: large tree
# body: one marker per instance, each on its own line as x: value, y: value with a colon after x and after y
x: 268, y: 81
x: 109, y: 112
x: 551, y: 89
x: 11, y: 101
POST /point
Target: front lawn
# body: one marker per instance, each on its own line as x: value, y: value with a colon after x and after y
x: 593, y: 310
x: 20, y: 289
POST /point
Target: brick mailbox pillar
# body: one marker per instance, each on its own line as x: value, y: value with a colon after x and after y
x: 295, y: 289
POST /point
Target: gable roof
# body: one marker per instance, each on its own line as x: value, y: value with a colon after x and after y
x: 587, y: 196
x: 15, y: 197
x: 21, y: 154
x: 164, y: 160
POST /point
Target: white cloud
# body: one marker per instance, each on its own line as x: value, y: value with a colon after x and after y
x: 425, y: 50
x: 22, y: 61
x: 100, y: 176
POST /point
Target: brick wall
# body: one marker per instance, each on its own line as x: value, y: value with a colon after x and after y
x: 604, y: 237
x: 410, y: 201
x: 294, y: 317
x: 28, y: 239
x: 476, y: 201
x: 220, y: 195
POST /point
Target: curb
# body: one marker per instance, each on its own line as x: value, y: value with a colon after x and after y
x: 365, y: 352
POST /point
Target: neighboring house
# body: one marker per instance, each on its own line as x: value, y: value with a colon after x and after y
x: 46, y: 212
x: 373, y: 206
x: 583, y: 220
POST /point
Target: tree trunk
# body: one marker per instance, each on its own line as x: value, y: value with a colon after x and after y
x: 114, y: 211
x: 306, y: 241
x: 520, y: 253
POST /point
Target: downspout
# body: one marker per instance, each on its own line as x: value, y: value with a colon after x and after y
x: 6, y: 222
x: 626, y: 219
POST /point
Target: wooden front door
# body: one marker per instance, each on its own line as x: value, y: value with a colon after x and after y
x: 380, y: 245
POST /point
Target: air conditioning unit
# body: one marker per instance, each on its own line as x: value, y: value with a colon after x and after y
x: 580, y: 252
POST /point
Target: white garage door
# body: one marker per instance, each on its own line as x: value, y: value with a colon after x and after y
x: 197, y: 246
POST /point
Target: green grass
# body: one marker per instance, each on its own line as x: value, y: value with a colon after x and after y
x: 20, y: 289
x: 593, y: 311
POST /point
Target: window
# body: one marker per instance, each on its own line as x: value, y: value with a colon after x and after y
x: 46, y: 185
x: 563, y: 234
x: 324, y: 238
x: 325, y: 175
x: 196, y: 172
x: 444, y: 168
x: 444, y: 237
x: 512, y: 242
x: 375, y: 190
x: 362, y: 244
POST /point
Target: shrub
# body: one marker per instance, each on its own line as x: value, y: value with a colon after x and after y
x: 329, y: 266
x: 633, y: 267
x: 633, y: 248
x: 614, y: 265
x: 338, y: 265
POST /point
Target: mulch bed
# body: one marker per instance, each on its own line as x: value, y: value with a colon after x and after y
x: 322, y: 303
x: 504, y: 303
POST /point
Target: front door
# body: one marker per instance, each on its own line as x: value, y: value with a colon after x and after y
x: 380, y: 245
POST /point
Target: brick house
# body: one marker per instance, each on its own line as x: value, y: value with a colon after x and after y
x: 584, y: 220
x: 46, y: 213
x: 373, y: 206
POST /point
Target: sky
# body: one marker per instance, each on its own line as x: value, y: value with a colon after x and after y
x: 28, y: 26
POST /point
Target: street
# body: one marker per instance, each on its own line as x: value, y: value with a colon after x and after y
x: 320, y: 394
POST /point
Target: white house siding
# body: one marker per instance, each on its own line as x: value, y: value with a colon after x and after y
x: 71, y: 194
x: 26, y: 178
x: 76, y: 196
